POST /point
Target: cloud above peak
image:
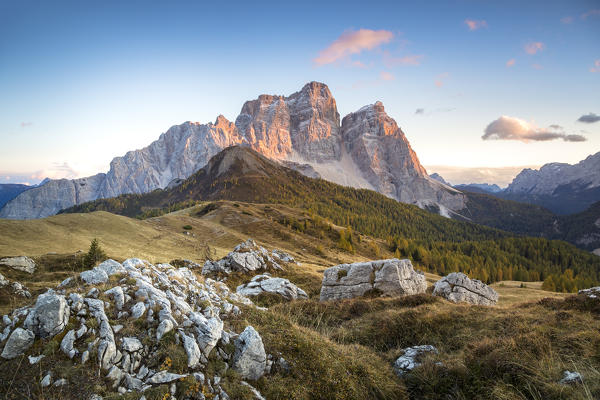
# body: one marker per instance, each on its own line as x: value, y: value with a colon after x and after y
x: 511, y: 128
x: 533, y: 47
x: 474, y: 25
x: 352, y: 42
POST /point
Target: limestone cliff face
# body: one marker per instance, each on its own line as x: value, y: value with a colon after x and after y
x: 302, y: 131
x: 52, y: 197
x: 381, y: 151
x: 178, y: 153
x: 304, y: 125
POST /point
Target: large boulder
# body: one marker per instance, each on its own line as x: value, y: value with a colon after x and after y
x: 49, y: 316
x: 391, y: 277
x: 249, y: 358
x: 19, y: 341
x: 458, y: 288
x: 24, y: 264
x: 266, y: 284
x: 94, y: 276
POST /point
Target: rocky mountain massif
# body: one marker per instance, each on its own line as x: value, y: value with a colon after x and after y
x: 367, y: 149
x: 562, y: 188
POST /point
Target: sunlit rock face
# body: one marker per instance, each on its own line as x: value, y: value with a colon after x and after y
x: 384, y: 156
x: 303, y: 131
x: 305, y: 125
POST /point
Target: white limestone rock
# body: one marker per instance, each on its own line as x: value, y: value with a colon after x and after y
x: 22, y: 263
x: 391, y: 277
x: 411, y: 358
x: 94, y: 276
x: 457, y: 287
x: 49, y: 316
x: 249, y: 358
x: 18, y: 342
x: 164, y: 377
x: 267, y: 284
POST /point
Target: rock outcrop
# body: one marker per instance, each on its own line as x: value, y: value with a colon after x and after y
x: 245, y: 257
x: 266, y: 284
x: 167, y: 303
x: 302, y: 131
x: 458, y: 288
x: 411, y: 358
x: 592, y: 293
x: 391, y: 277
x: 15, y: 288
x: 22, y: 263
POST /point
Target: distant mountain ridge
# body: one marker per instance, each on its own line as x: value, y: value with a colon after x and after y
x: 9, y: 191
x: 562, y: 188
x: 366, y: 150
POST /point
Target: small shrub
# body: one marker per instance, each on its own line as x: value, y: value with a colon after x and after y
x: 341, y: 273
x: 188, y: 227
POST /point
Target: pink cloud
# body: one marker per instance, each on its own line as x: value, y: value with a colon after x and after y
x: 391, y: 61
x: 566, y: 20
x: 536, y: 66
x: 534, y: 47
x: 353, y: 42
x: 510, y: 63
x: 590, y: 13
x: 596, y: 67
x: 386, y: 76
x: 439, y: 82
x: 474, y: 25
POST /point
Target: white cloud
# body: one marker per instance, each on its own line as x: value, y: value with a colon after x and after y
x: 501, y: 176
x: 510, y: 128
x: 353, y: 42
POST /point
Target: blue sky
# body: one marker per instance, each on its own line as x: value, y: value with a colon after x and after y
x: 81, y: 83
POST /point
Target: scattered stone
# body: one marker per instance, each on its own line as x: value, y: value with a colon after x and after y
x: 60, y: 382
x: 164, y: 377
x: 592, y: 293
x: 138, y: 310
x: 249, y: 359
x: 192, y: 350
x: 35, y: 360
x: 410, y: 359
x: 3, y: 281
x: 391, y: 277
x: 117, y: 295
x: 66, y: 345
x: 24, y: 264
x: 47, y: 380
x: 111, y: 267
x: 457, y: 287
x: 266, y: 284
x: 94, y: 276
x: 256, y: 393
x: 49, y: 316
x: 571, y: 378
x: 18, y: 342
x: 164, y: 327
x: 131, y: 344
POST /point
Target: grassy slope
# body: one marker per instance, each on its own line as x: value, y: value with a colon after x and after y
x: 340, y: 350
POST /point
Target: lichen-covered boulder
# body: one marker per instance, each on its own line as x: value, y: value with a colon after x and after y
x: 267, y: 284
x: 458, y: 288
x: 249, y: 358
x: 94, y: 276
x: 391, y: 277
x: 49, y: 316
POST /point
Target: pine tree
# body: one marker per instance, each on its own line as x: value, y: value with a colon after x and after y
x: 94, y: 254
